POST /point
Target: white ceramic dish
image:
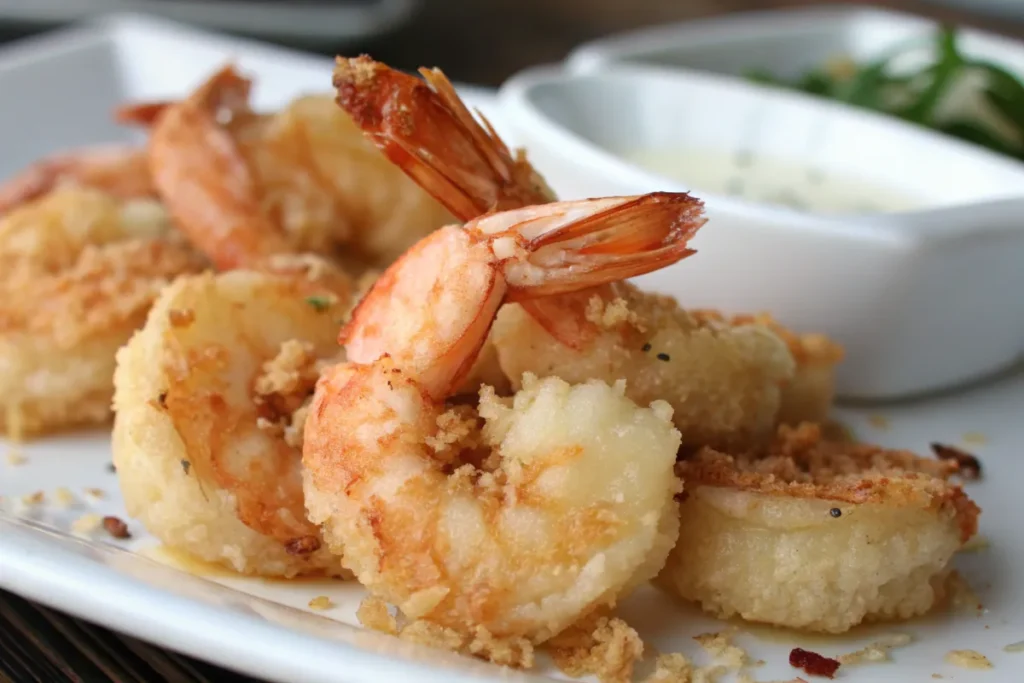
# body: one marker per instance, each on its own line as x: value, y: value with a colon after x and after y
x: 786, y: 42
x: 265, y: 628
x: 301, y: 21
x: 921, y: 299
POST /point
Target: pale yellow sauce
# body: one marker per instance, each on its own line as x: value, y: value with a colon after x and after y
x: 772, y: 181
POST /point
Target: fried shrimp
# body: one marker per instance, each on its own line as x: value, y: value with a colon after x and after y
x: 563, y: 499
x: 726, y: 382
x: 211, y: 395
x: 80, y: 268
x: 209, y: 407
x: 815, y: 535
x: 121, y: 172
x: 305, y: 175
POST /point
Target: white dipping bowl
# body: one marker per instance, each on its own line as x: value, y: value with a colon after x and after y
x: 922, y: 300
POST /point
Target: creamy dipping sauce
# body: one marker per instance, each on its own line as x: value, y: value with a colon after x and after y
x: 771, y: 181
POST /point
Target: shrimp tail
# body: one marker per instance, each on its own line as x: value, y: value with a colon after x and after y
x: 636, y: 235
x: 423, y: 127
x: 200, y: 171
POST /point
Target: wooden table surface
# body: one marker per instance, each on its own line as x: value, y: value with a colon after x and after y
x: 474, y: 41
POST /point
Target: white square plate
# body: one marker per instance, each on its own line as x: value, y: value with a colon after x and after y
x: 58, y: 92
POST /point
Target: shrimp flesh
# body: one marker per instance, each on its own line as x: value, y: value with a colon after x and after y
x: 304, y: 178
x: 563, y: 499
x: 726, y: 383
x: 79, y: 269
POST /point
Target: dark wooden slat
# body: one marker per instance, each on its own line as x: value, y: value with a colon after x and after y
x: 41, y: 645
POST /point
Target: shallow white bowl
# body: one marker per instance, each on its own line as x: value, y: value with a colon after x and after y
x: 786, y: 42
x: 921, y: 300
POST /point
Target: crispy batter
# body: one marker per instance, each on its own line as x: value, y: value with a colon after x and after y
x: 800, y: 463
x: 968, y: 659
x: 373, y: 614
x: 606, y: 647
x: 511, y: 651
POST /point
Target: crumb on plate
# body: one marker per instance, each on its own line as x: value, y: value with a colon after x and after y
x: 877, y: 651
x: 86, y: 524
x: 720, y: 646
x: 321, y: 602
x: 974, y: 439
x: 606, y: 647
x: 968, y: 659
x: 36, y: 498
x: 95, y: 493
x: 1015, y: 647
x: 15, y: 457
x: 63, y: 497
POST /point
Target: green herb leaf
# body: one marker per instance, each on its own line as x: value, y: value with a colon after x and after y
x: 943, y: 75
x: 320, y: 303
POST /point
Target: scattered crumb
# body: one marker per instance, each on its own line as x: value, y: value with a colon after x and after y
x: 974, y: 439
x: 606, y: 647
x: 975, y: 544
x: 937, y: 676
x: 968, y: 659
x: 36, y: 498
x: 16, y: 457
x: 321, y: 602
x: 116, y: 527
x: 95, y: 494
x: 878, y: 421
x: 86, y: 524
x: 373, y: 614
x: 961, y: 596
x: 813, y: 663
x: 969, y: 467
x: 708, y: 674
x: 720, y: 646
x: 112, y: 468
x: 63, y: 497
x: 1015, y: 647
x: 673, y: 668
x: 877, y: 651
x: 514, y: 652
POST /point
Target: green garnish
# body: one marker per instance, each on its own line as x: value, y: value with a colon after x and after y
x: 953, y: 93
x: 320, y: 303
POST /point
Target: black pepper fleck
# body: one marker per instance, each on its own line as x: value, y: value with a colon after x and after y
x: 663, y: 356
x: 111, y: 467
x: 645, y: 348
x: 835, y: 512
x: 162, y: 399
x: 186, y: 466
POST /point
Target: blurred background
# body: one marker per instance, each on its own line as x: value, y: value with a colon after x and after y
x: 475, y: 41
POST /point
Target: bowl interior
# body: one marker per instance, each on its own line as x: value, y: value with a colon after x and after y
x: 723, y: 135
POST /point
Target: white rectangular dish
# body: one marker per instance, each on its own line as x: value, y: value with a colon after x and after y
x: 265, y: 627
x: 919, y: 296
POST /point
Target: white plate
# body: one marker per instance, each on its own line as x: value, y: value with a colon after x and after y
x: 306, y: 22
x: 264, y: 627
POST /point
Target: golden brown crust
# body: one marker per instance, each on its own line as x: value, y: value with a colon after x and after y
x: 800, y: 463
x: 806, y: 348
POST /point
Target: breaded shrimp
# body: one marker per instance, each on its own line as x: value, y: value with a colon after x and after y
x: 305, y: 174
x: 206, y: 439
x: 120, y: 171
x: 79, y: 269
x: 726, y: 383
x: 563, y: 500
x: 212, y: 393
x: 815, y: 535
